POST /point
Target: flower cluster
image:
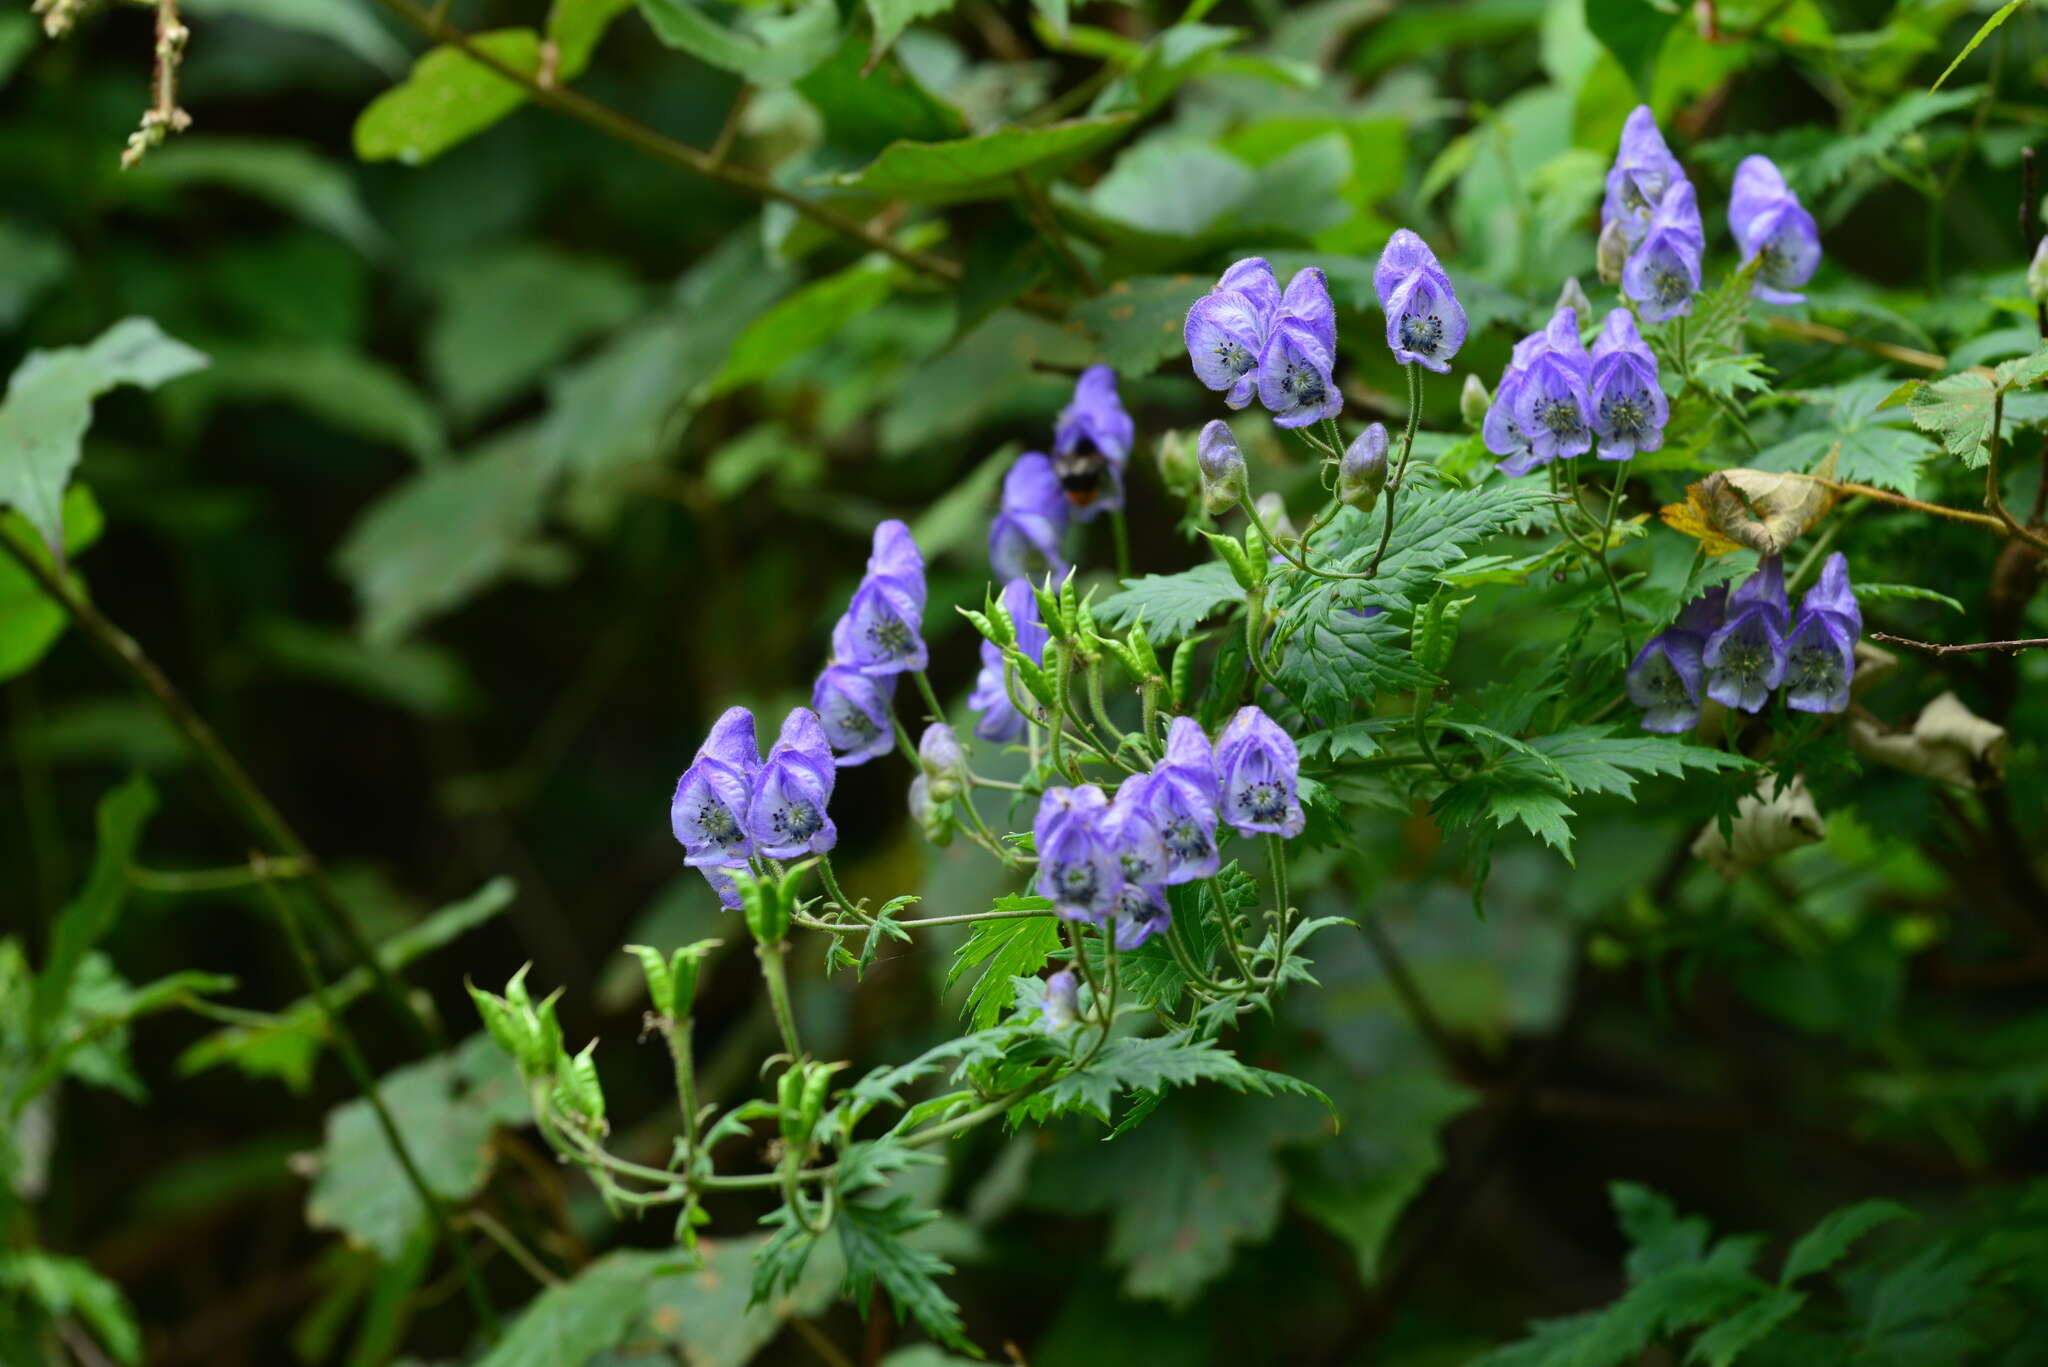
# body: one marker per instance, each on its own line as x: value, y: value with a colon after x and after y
x: 1246, y: 337
x: 1001, y: 722
x: 730, y: 807
x: 1556, y: 399
x: 879, y: 637
x: 1737, y: 647
x: 1773, y: 229
x: 1103, y: 860
x: 1650, y: 223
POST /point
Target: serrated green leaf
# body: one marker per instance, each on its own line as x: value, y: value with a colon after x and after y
x: 1015, y: 947
x: 1957, y: 409
x: 1824, y: 1245
x: 1335, y: 658
x: 580, y: 1318
x: 871, y: 1239
x: 63, y: 1287
x: 1172, y: 605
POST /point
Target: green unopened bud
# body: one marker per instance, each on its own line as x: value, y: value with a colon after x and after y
x: 1242, y: 568
x: 943, y: 761
x: 934, y: 818
x: 1612, y: 253
x: 1473, y: 401
x: 1273, y: 512
x: 1177, y: 464
x: 766, y: 903
x: 1049, y: 611
x: 2037, y: 274
x: 1222, y: 469
x: 1363, y: 471
x: 1002, y: 626
x: 1573, y: 297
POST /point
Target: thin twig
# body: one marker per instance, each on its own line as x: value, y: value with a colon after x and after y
x: 1933, y: 648
x: 366, y: 1083
x: 488, y: 1224
x: 1821, y: 332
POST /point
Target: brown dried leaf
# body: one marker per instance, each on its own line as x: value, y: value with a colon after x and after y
x: 1760, y: 509
x: 1767, y: 824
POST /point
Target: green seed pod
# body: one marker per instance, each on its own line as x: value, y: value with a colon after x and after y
x: 1177, y: 469
x: 1473, y: 401
x: 1363, y: 471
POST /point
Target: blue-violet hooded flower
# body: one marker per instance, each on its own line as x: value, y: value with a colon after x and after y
x: 1502, y: 429
x: 786, y: 813
x: 1141, y: 913
x: 1772, y: 228
x: 882, y: 631
x: 1663, y: 272
x: 1001, y: 722
x: 1425, y: 321
x: 1745, y: 658
x: 1091, y: 441
x: 1629, y: 408
x: 1820, y: 654
x: 1077, y: 870
x: 855, y: 710
x: 709, y: 810
x: 1643, y: 173
x: 1024, y: 540
x: 1258, y: 770
x: 1666, y: 676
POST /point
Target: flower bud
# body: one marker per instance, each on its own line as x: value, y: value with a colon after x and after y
x: 943, y: 761
x: 1573, y: 297
x: 1612, y: 253
x: 1222, y: 468
x: 935, y: 819
x: 1062, y: 1000
x: 1363, y: 471
x: 1177, y: 463
x: 2037, y: 274
x: 1473, y: 401
x: 1273, y: 513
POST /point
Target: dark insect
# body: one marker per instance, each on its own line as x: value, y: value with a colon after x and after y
x: 1082, y: 472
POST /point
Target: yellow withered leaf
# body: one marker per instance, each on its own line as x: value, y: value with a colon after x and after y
x: 1763, y: 510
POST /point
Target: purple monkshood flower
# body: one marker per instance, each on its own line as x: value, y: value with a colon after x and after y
x: 1503, y: 430
x: 709, y: 810
x: 1745, y: 658
x: 1077, y: 869
x: 1663, y: 272
x: 1141, y: 913
x: 1062, y: 1000
x: 1247, y: 337
x: 1295, y: 377
x: 786, y: 814
x: 1665, y: 677
x: 1552, y: 409
x: 1132, y: 829
x: 1258, y: 770
x: 1820, y: 654
x: 1772, y: 228
x: 881, y: 632
x: 855, y: 710
x: 1001, y: 722
x: 1180, y: 796
x: 1091, y: 441
x: 1425, y: 321
x: 1024, y: 540
x: 1629, y: 409
x: 1643, y: 172
x: 723, y: 883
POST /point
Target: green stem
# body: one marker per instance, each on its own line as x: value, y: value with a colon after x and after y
x: 1613, y: 583
x: 775, y: 973
x: 679, y: 1050
x: 1400, y: 470
x: 1422, y: 701
x: 1123, y: 543
x: 359, y: 1070
x: 931, y: 699
x: 1229, y: 925
x: 830, y: 879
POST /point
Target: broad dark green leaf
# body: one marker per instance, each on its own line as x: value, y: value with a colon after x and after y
x: 1634, y: 31
x: 772, y: 47
x: 288, y: 175
x: 29, y: 622
x: 448, y: 98
x: 980, y: 167
x: 507, y: 316
x: 87, y: 918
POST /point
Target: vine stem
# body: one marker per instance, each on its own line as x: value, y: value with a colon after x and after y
x: 359, y: 1071
x: 1994, y: 497
x: 256, y: 809
x: 1606, y: 533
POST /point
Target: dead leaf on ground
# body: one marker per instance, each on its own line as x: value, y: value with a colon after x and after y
x: 1767, y: 823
